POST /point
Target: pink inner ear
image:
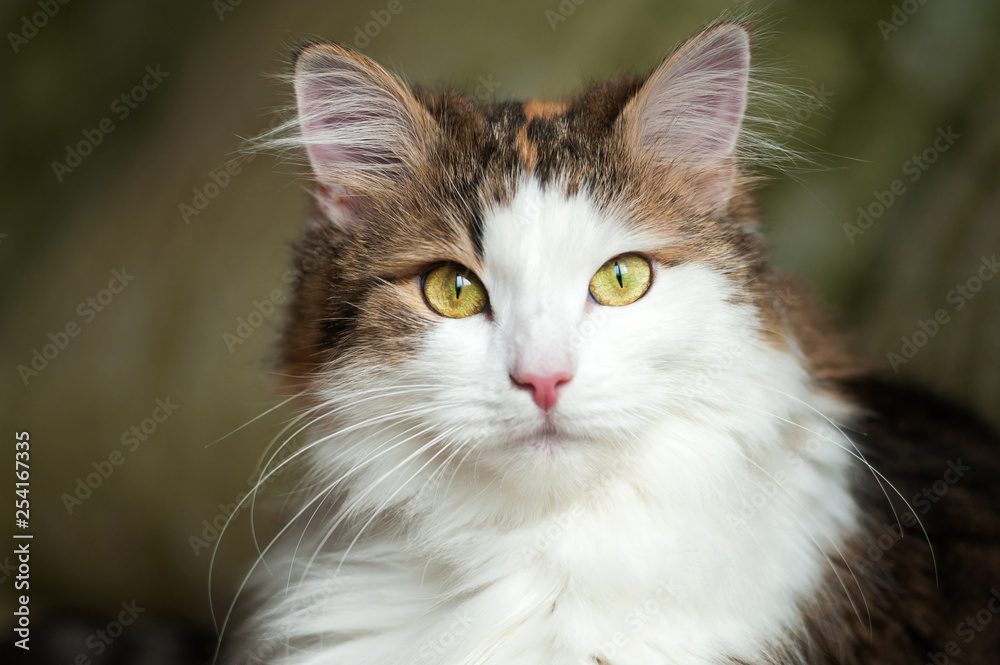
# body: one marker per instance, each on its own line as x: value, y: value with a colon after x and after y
x: 337, y: 204
x: 691, y: 108
x: 355, y: 124
x: 349, y: 123
x: 327, y: 120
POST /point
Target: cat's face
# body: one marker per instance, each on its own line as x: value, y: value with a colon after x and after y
x: 526, y: 291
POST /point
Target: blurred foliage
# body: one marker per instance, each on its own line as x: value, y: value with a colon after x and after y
x: 886, y: 94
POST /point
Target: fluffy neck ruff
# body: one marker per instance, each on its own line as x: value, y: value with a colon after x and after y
x: 659, y: 557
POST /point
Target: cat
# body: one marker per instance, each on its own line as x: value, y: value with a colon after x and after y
x: 562, y: 413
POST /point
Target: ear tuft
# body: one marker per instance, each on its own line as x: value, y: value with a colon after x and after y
x: 689, y: 110
x: 363, y: 129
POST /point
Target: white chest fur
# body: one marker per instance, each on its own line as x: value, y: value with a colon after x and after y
x: 652, y: 565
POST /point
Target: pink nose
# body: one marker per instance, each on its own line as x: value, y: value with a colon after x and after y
x: 543, y: 388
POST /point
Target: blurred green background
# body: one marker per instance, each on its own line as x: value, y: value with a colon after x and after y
x: 883, y: 81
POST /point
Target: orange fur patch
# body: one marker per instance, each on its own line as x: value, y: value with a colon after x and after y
x: 525, y: 148
x: 534, y: 108
x: 543, y: 108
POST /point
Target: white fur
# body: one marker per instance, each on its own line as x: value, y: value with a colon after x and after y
x: 649, y: 531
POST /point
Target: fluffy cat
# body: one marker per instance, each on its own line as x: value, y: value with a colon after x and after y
x: 561, y: 413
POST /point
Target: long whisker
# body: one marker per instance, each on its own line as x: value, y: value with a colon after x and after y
x: 833, y: 542
x: 854, y: 453
x: 220, y: 630
x: 878, y: 475
x: 254, y: 419
x: 328, y: 412
x: 346, y: 512
x: 388, y: 499
x: 382, y: 449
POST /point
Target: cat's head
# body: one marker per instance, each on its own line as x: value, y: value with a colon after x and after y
x: 522, y: 293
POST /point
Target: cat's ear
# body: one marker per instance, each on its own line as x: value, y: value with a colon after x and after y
x: 362, y: 127
x: 688, y: 113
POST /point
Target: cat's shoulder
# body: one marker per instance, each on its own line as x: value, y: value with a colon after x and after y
x: 924, y: 568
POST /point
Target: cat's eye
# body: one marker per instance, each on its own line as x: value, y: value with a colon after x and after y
x: 454, y: 291
x: 621, y: 281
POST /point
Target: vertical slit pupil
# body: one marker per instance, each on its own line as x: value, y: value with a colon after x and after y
x: 619, y: 271
x: 459, y: 281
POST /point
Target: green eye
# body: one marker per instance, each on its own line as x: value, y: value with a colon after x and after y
x: 621, y: 281
x: 454, y: 291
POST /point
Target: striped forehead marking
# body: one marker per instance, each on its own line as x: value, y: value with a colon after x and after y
x: 535, y: 108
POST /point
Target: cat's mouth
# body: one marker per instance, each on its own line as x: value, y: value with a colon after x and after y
x: 550, y: 436
x: 547, y: 437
